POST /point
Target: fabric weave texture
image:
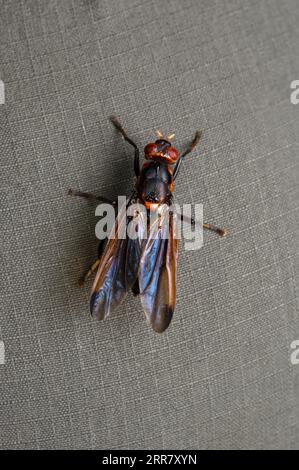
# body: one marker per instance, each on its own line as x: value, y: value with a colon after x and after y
x: 221, y: 376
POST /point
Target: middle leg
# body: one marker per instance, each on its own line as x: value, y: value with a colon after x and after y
x: 74, y: 192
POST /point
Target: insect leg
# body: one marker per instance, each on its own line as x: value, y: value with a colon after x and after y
x: 220, y: 231
x: 95, y: 265
x: 189, y: 149
x: 92, y: 268
x: 120, y: 128
x: 73, y: 192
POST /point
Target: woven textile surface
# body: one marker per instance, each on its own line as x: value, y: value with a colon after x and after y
x: 221, y: 376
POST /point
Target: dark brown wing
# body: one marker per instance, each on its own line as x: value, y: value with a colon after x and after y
x: 158, y: 269
x: 118, y: 268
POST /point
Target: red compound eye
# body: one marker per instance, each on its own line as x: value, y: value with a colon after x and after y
x: 150, y: 150
x: 172, y: 154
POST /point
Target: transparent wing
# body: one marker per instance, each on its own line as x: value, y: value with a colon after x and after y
x: 119, y: 266
x: 158, y: 270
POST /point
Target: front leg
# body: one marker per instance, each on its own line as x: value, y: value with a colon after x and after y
x: 189, y: 149
x: 120, y: 128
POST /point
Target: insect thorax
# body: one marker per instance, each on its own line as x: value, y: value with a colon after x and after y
x: 154, y: 185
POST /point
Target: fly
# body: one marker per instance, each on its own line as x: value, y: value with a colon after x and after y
x: 147, y: 265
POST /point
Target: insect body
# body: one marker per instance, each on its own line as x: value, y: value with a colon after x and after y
x: 146, y: 263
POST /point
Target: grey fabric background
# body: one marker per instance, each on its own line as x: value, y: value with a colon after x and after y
x: 221, y: 376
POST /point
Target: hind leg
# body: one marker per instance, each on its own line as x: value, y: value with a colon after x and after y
x: 220, y: 231
x: 92, y: 268
x: 95, y: 265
